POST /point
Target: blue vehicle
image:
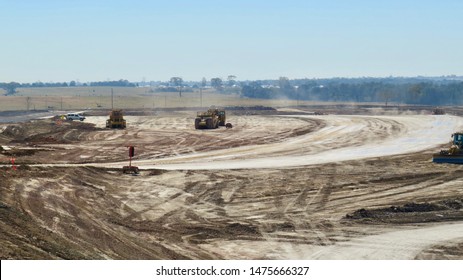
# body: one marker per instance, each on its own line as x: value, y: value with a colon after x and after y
x: 452, y: 155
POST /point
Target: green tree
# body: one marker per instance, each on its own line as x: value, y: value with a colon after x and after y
x: 217, y: 83
x: 283, y: 83
x: 386, y: 95
x: 177, y: 82
x: 287, y: 89
x: 415, y: 92
x: 203, y: 82
x: 11, y: 87
x: 231, y: 80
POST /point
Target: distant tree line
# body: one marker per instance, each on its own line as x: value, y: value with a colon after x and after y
x: 171, y: 89
x: 118, y: 83
x: 409, y: 90
x: 426, y: 92
x: 11, y: 87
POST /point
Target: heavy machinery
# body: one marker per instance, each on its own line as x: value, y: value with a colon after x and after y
x: 210, y: 119
x: 222, y: 117
x: 452, y: 155
x: 116, y: 120
x: 438, y: 111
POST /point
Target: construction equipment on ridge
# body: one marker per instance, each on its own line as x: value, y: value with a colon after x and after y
x: 454, y: 154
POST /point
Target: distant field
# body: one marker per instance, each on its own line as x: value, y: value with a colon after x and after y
x: 74, y: 98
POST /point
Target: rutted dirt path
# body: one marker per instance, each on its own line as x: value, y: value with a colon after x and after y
x: 342, y: 138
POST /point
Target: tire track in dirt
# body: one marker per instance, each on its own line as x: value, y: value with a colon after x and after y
x: 399, y: 244
x: 77, y: 206
x: 192, y: 214
x: 392, y: 194
x: 344, y: 138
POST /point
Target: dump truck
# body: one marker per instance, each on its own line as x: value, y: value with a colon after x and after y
x: 116, y: 120
x: 454, y: 154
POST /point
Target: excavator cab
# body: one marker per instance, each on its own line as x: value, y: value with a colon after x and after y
x: 458, y: 139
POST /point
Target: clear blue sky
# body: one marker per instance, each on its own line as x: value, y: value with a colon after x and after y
x: 64, y: 40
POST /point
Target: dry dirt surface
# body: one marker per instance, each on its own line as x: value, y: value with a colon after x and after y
x: 283, y: 186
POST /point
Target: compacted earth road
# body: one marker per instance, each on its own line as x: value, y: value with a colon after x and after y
x: 288, y: 185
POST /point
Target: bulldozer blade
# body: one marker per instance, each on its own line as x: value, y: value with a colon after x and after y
x: 454, y: 159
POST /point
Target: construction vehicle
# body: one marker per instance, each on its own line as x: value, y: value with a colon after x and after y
x: 452, y: 155
x: 438, y: 111
x: 209, y: 119
x: 116, y: 120
x: 222, y: 117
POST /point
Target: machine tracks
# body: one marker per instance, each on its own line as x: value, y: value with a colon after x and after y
x: 279, y: 192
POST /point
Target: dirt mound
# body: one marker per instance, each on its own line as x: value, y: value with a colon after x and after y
x: 46, y: 131
x: 251, y: 110
x: 416, y: 212
x: 19, y: 152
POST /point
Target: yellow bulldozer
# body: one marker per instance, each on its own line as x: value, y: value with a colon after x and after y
x: 116, y: 120
x: 211, y: 119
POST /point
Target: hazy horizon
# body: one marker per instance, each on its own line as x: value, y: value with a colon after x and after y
x: 61, y: 41
x: 81, y: 82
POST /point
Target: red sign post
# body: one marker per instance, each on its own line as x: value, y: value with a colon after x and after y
x: 12, y: 163
x: 130, y: 168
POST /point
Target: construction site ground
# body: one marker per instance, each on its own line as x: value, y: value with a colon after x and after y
x: 281, y: 184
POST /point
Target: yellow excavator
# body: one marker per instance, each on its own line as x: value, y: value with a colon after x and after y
x: 454, y: 154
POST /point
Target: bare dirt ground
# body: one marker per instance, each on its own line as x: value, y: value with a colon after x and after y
x: 285, y: 185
